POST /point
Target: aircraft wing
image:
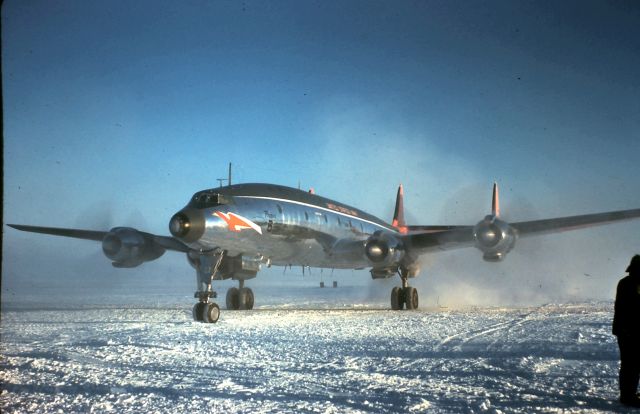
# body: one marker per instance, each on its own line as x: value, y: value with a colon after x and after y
x: 430, y: 229
x: 432, y: 239
x: 534, y: 227
x: 166, y: 242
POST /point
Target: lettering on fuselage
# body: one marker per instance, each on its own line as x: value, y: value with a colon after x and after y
x: 236, y: 222
x: 342, y: 209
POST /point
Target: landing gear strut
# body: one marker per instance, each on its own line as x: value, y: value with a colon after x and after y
x: 404, y: 295
x: 207, y: 265
x: 240, y: 298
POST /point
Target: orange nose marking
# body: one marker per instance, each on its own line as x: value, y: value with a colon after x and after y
x: 237, y: 223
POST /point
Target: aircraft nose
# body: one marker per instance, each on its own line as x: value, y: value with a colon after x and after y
x: 187, y: 225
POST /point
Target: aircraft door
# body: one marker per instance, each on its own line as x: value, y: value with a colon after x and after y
x: 274, y: 217
x: 269, y: 218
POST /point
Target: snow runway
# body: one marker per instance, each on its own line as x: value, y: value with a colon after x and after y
x: 103, y: 358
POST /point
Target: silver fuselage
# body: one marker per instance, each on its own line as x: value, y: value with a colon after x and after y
x: 285, y: 226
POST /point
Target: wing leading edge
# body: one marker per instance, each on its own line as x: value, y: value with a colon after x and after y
x: 535, y: 227
x: 166, y: 242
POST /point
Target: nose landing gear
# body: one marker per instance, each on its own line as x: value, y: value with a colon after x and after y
x: 207, y: 265
x: 215, y: 264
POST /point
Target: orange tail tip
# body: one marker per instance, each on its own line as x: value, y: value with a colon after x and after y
x: 495, y: 202
x: 398, y: 215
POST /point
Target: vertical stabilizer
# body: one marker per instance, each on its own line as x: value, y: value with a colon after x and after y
x: 495, y: 202
x: 398, y: 215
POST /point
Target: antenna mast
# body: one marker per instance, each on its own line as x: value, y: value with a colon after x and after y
x: 228, y: 180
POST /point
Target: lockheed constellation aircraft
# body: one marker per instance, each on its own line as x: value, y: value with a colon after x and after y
x: 230, y: 232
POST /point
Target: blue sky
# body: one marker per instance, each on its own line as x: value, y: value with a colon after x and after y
x: 116, y: 112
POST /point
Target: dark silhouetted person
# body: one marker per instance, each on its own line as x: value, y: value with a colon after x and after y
x: 626, y: 326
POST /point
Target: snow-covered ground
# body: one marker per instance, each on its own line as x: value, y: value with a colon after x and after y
x: 313, y: 355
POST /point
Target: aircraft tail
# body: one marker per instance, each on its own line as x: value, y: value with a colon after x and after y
x: 398, y: 215
x: 495, y: 201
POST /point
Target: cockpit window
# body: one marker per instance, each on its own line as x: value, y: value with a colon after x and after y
x: 208, y: 199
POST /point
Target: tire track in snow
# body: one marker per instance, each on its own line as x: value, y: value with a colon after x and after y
x: 456, y: 341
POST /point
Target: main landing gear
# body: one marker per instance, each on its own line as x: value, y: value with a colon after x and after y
x: 404, y: 295
x: 240, y: 298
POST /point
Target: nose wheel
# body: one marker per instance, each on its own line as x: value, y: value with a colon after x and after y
x: 206, y: 312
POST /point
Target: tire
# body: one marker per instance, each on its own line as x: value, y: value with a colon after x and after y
x: 250, y: 299
x: 397, y: 298
x: 198, y: 311
x: 411, y: 297
x: 245, y: 299
x: 211, y: 313
x: 232, y: 299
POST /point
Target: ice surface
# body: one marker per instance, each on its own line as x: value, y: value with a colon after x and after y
x: 309, y: 356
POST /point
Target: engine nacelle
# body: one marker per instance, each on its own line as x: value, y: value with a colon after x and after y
x: 494, y: 238
x: 383, y: 250
x: 128, y: 247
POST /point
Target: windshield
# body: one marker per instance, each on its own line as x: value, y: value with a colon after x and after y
x: 207, y: 199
